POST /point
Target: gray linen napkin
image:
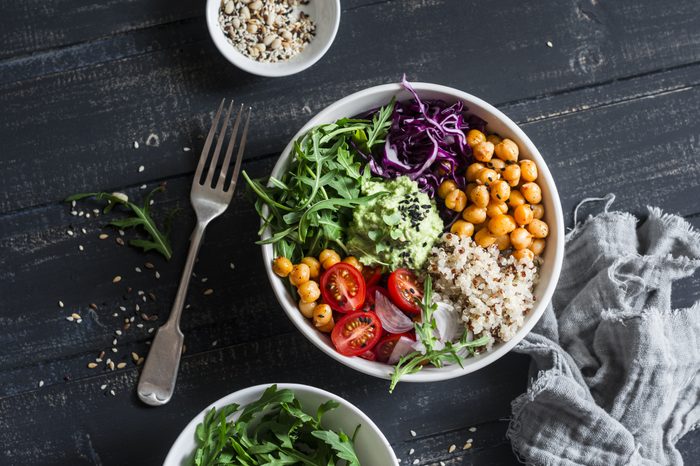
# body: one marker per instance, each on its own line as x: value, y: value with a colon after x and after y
x: 615, y: 377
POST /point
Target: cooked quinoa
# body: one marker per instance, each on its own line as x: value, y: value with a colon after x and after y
x: 493, y: 291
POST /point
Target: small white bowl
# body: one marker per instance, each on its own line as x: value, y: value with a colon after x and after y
x: 371, y: 446
x: 375, y: 97
x: 324, y: 13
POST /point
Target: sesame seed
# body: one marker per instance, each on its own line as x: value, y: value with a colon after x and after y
x: 119, y: 241
x: 186, y: 149
x: 69, y: 232
x: 81, y: 213
x: 141, y: 360
x: 136, y: 144
x: 467, y: 446
x: 416, y: 461
x: 215, y: 342
x: 138, y: 269
x: 41, y: 383
x: 139, y: 325
x: 452, y: 448
x: 84, y: 231
x: 470, y: 440
x: 80, y: 246
x: 122, y: 308
x: 205, y: 279
x: 72, y: 203
x: 121, y: 232
x: 549, y: 44
x: 134, y: 357
x: 87, y: 215
x: 75, y: 316
x: 73, y: 212
x: 472, y: 429
x: 118, y: 332
x: 79, y: 321
x: 114, y: 342
x: 411, y: 451
x: 103, y: 386
x: 92, y: 365
x: 187, y: 306
x: 115, y: 314
x: 208, y: 291
x: 141, y: 168
x: 60, y: 303
x: 111, y: 392
x: 148, y: 265
x: 413, y: 433
x: 96, y: 212
x: 157, y: 274
x: 143, y: 186
x: 121, y: 365
x: 103, y: 236
x: 150, y: 330
x: 117, y: 279
x: 93, y: 306
x: 114, y: 350
x: 230, y: 264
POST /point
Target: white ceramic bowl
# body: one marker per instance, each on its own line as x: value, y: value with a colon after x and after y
x: 371, y: 446
x: 497, y: 122
x: 326, y: 15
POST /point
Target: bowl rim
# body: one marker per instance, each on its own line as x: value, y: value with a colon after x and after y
x: 172, y: 457
x: 270, y: 70
x: 448, y: 372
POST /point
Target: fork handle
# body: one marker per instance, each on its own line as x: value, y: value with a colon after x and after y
x: 157, y: 381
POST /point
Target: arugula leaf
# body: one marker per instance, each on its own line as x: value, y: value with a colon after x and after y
x: 425, y: 331
x: 310, y: 206
x: 271, y: 431
x: 142, y: 218
x: 340, y: 443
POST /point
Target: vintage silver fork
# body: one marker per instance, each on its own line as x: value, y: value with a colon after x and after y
x: 157, y: 381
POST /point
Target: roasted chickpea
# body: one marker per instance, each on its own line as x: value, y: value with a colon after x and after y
x: 523, y: 254
x: 538, y: 228
x: 328, y: 258
x: 486, y: 176
x: 520, y: 238
x: 299, y: 275
x: 469, y: 188
x: 532, y: 192
x: 501, y: 225
x: 474, y: 214
x: 483, y: 151
x: 523, y: 214
x: 516, y: 198
x: 503, y: 242
x: 322, y: 315
x: 352, y: 260
x: 497, y: 164
x: 456, y: 200
x: 473, y: 170
x: 538, y: 211
x: 484, y: 238
x: 328, y: 328
x: 494, y: 138
x: 462, y: 228
x: 309, y: 291
x: 496, y: 208
x: 307, y: 309
x: 537, y: 246
x: 528, y: 170
x: 507, y: 150
x: 445, y: 188
x: 500, y: 191
x: 475, y: 137
x: 480, y: 196
x: 282, y: 266
x: 326, y: 253
x: 511, y: 173
x: 314, y: 266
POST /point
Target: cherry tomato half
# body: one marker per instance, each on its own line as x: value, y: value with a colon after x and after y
x: 368, y: 355
x: 356, y: 333
x: 405, y: 291
x: 372, y: 296
x: 343, y: 288
x: 372, y: 275
x: 386, y: 346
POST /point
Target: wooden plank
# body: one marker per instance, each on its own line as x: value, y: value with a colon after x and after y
x: 86, y: 425
x: 88, y: 117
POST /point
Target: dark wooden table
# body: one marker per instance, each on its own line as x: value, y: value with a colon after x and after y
x: 609, y: 92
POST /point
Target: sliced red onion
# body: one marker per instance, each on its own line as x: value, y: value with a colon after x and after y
x: 403, y: 346
x: 448, y: 323
x: 392, y: 318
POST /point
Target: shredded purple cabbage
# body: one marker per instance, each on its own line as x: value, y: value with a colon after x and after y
x: 426, y: 142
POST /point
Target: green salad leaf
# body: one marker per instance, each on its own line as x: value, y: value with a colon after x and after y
x: 425, y: 332
x: 272, y: 431
x: 310, y: 206
x: 157, y: 241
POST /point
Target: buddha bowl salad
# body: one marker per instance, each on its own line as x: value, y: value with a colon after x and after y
x: 411, y: 234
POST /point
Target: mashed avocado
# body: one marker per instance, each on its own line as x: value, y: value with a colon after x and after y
x: 397, y: 229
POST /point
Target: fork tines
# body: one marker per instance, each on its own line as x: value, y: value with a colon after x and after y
x: 220, y: 181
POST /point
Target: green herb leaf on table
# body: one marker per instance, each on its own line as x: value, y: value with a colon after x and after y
x: 157, y: 241
x: 425, y: 332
